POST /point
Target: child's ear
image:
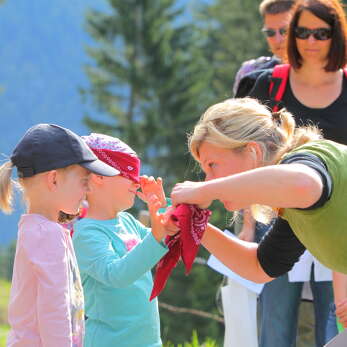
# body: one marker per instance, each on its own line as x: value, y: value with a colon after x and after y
x: 255, y: 151
x: 51, y: 180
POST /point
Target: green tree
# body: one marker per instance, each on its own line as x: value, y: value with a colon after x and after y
x: 6, y: 261
x: 232, y: 34
x: 150, y: 78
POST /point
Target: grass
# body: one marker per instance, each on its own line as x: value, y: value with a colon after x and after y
x: 3, y: 334
x: 4, y: 297
x: 194, y: 343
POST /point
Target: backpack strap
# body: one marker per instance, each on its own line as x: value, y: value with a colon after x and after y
x: 278, y: 84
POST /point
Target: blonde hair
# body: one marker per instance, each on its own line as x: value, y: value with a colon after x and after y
x: 234, y: 123
x: 6, y: 187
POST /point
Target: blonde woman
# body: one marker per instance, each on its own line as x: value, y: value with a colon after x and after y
x: 252, y: 157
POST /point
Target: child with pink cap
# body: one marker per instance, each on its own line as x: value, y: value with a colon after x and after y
x: 115, y: 252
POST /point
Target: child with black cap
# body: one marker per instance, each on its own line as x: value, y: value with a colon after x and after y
x: 46, y: 305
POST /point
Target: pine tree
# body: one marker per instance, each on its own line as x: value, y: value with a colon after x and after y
x: 150, y: 78
x: 232, y: 31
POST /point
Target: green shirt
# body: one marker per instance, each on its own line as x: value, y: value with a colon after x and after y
x: 323, y: 231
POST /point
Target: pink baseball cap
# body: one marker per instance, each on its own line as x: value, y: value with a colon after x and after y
x: 115, y: 153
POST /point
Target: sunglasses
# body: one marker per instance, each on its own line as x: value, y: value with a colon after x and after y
x: 272, y: 32
x: 320, y: 34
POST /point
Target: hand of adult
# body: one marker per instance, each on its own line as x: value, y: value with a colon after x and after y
x: 190, y: 193
x: 341, y: 312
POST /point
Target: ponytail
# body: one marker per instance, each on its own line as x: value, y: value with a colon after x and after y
x: 235, y: 122
x: 293, y: 137
x: 6, y: 187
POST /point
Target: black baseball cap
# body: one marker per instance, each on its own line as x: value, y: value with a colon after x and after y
x: 46, y: 147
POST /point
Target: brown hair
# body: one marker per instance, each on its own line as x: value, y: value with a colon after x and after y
x: 331, y: 12
x: 275, y: 6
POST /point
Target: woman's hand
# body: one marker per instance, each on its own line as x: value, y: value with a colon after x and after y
x: 341, y: 312
x: 190, y: 193
x: 340, y: 296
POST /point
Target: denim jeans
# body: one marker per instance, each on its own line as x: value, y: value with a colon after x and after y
x: 279, y: 307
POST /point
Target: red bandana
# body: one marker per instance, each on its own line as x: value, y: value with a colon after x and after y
x: 192, y: 222
x: 115, y: 153
x: 128, y: 165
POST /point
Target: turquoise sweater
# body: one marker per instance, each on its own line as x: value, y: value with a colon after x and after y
x: 115, y: 258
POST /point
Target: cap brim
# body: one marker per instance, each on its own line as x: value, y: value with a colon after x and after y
x: 100, y: 168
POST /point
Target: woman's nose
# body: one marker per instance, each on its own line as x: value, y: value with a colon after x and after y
x: 311, y: 39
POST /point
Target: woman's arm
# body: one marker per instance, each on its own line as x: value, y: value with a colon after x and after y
x: 239, y: 256
x: 275, y: 255
x: 286, y: 186
x: 340, y: 296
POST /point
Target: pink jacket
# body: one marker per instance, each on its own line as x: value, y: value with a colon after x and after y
x: 46, y: 302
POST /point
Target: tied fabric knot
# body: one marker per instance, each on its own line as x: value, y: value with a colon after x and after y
x: 192, y: 222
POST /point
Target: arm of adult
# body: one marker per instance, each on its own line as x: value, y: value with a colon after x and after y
x: 340, y: 296
x: 285, y: 186
x: 275, y: 255
x: 279, y: 249
x: 240, y: 256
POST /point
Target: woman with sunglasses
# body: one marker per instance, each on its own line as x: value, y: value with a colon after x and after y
x: 316, y: 92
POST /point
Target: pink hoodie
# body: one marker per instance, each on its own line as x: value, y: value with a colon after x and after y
x: 46, y: 302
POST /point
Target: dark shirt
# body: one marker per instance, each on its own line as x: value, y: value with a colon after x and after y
x: 332, y: 120
x: 249, y: 72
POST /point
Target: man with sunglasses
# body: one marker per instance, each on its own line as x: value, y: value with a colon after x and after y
x: 276, y: 17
